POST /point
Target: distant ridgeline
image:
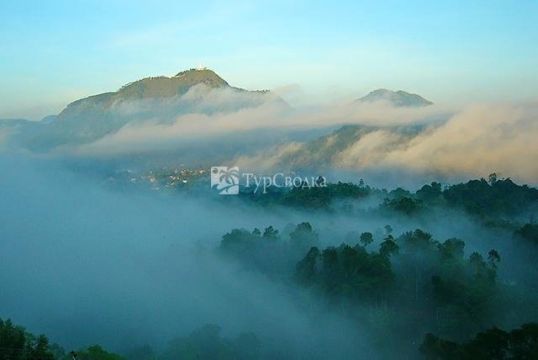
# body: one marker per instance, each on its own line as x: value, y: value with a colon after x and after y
x: 205, y: 342
x: 396, y: 98
x: 162, y: 98
x: 490, y: 200
x: 494, y: 202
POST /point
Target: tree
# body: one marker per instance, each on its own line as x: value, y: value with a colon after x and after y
x: 239, y: 243
x: 493, y: 258
x: 388, y: 247
x: 405, y: 205
x: 12, y: 341
x: 206, y: 343
x: 270, y: 233
x: 492, y: 178
x: 528, y: 232
x: 366, y: 238
x: 306, y: 268
x: 346, y: 273
x: 435, y: 348
x: 39, y: 349
x: 96, y: 352
x: 303, y: 236
x: 430, y: 193
x: 493, y: 344
x: 417, y: 240
x: 452, y: 249
x: 17, y: 344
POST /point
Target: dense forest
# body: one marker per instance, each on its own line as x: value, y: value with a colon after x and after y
x: 416, y: 295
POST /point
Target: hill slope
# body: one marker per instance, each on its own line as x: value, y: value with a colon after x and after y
x: 158, y: 99
x: 398, y: 98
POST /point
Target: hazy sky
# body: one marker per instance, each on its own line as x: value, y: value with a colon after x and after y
x: 54, y: 52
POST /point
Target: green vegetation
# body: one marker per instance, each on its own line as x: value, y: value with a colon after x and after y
x: 495, y: 202
x: 528, y: 232
x: 413, y: 273
x: 492, y: 344
x: 17, y: 344
x: 424, y: 285
x: 206, y: 343
x: 270, y: 252
x: 95, y: 352
x: 407, y: 288
x: 309, y: 197
x: 496, y: 197
x: 348, y: 272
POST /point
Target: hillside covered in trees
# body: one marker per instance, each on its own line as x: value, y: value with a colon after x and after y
x: 389, y: 266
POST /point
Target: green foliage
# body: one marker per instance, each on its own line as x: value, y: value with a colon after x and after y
x: 270, y: 233
x: 452, y: 249
x: 303, y: 236
x: 38, y: 349
x: 389, y: 247
x: 488, y: 200
x: 416, y: 274
x: 492, y: 344
x: 206, y: 343
x: 346, y: 272
x: 96, y: 352
x: 430, y: 193
x: 405, y: 205
x: 528, y: 232
x: 464, y: 290
x: 269, y: 252
x: 310, y: 197
x: 366, y: 238
x: 493, y: 201
x: 461, y: 291
x: 417, y: 240
x: 240, y: 241
x: 498, y: 197
x: 12, y: 341
x: 434, y: 348
x: 399, y: 193
x: 17, y: 344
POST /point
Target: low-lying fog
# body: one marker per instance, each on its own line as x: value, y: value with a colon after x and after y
x: 87, y: 264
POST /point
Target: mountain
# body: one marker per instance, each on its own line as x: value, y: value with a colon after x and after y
x: 350, y: 146
x: 396, y: 98
x: 13, y: 123
x: 148, y: 88
x: 158, y: 99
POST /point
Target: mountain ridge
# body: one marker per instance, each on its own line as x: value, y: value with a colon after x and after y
x: 162, y: 99
x: 154, y: 87
x: 397, y: 98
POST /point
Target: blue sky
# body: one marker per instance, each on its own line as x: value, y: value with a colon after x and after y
x: 54, y: 52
